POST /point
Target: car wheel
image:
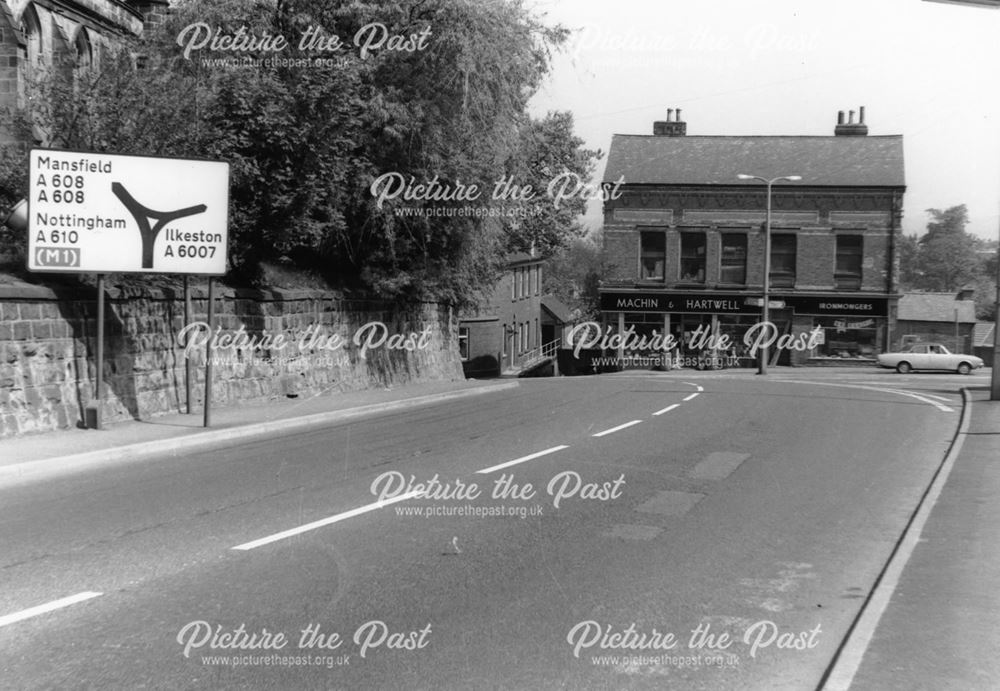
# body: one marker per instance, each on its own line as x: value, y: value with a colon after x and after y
x: 903, y: 367
x: 964, y: 368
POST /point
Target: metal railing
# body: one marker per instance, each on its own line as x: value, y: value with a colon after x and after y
x: 537, y: 355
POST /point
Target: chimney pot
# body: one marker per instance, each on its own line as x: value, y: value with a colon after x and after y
x: 861, y: 115
x: 678, y: 115
x: 850, y: 117
x: 840, y: 117
x: 670, y: 114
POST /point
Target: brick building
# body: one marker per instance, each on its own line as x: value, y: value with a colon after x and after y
x: 685, y: 236
x: 36, y: 35
x: 504, y: 331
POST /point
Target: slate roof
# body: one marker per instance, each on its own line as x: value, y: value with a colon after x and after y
x: 935, y: 307
x: 557, y: 308
x: 850, y: 161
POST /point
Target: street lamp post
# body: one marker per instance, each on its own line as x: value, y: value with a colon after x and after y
x: 762, y: 365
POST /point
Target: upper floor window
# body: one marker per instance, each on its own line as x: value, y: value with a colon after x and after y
x: 847, y: 275
x: 733, y: 262
x: 653, y: 255
x: 693, y: 257
x: 463, y: 342
x: 783, y: 252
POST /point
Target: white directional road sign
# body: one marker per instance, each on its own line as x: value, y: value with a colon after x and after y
x: 105, y: 213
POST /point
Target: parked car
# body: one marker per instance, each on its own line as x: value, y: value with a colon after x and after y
x: 929, y: 356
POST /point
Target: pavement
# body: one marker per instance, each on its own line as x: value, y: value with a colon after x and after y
x: 930, y: 622
x: 36, y: 456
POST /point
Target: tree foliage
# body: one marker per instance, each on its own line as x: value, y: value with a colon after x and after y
x: 574, y: 272
x: 306, y: 141
x: 947, y: 258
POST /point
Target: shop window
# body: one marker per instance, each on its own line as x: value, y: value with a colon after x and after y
x: 693, y: 257
x: 783, y: 250
x: 463, y: 342
x: 847, y: 275
x: 848, y: 337
x: 733, y: 262
x: 654, y: 255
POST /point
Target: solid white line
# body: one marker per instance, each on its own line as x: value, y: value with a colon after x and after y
x: 690, y: 396
x: 667, y: 409
x: 923, y: 393
x: 48, y: 607
x: 848, y: 660
x: 697, y: 386
x: 618, y: 428
x: 522, y: 459
x: 881, y: 389
x: 325, y: 521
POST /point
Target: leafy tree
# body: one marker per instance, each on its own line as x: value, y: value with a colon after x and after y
x: 574, y: 272
x: 552, y: 163
x: 946, y: 258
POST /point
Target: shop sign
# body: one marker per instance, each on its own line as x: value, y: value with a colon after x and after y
x: 681, y: 303
x: 840, y: 305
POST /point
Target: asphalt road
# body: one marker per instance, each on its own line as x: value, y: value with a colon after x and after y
x: 688, y: 531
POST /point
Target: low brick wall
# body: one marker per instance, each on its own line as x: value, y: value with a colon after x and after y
x: 48, y: 350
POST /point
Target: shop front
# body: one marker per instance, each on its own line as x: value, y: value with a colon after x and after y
x: 720, y: 330
x: 852, y: 330
x: 707, y: 331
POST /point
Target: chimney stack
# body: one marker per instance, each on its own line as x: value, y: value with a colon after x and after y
x: 851, y: 128
x: 673, y: 126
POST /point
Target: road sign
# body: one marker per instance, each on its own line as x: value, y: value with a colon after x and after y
x: 107, y: 213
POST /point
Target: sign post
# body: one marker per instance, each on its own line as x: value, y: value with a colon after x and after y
x: 188, y: 365
x: 208, y: 354
x: 99, y: 389
x: 109, y: 213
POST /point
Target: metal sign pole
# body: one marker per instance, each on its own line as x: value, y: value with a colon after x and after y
x: 99, y: 397
x: 208, y: 352
x: 995, y: 369
x: 188, y: 365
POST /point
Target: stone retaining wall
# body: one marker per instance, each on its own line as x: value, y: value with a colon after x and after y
x: 48, y: 350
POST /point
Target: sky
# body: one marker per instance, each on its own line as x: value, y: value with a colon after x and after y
x: 925, y: 70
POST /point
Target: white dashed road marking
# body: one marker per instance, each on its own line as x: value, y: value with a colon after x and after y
x: 617, y: 429
x: 667, y: 409
x: 325, y: 521
x: 47, y: 607
x: 522, y: 459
